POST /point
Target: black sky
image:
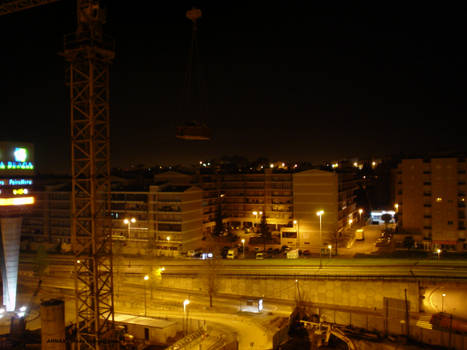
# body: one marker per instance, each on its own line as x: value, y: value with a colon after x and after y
x: 289, y: 82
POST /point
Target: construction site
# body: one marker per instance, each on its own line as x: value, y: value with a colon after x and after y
x: 94, y: 299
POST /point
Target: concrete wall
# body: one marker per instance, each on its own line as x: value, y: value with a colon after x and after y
x: 367, y: 294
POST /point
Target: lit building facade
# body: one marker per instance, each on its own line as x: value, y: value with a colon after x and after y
x: 179, y: 209
x: 324, y: 205
x: 16, y: 171
x: 167, y: 216
x: 430, y: 199
x: 289, y: 200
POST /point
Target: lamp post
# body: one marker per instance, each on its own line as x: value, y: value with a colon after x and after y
x: 396, y: 206
x: 255, y: 213
x: 438, y: 251
x: 329, y: 248
x: 320, y: 214
x: 442, y: 301
x: 243, y: 248
x: 129, y: 222
x: 295, y: 222
x: 360, y: 211
x: 146, y: 278
x: 185, y: 304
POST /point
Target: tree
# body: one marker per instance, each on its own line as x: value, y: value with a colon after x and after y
x: 264, y: 229
x: 408, y: 242
x: 219, y: 224
x: 41, y: 261
x: 117, y: 260
x: 336, y: 238
x: 211, y: 278
x: 40, y: 267
x: 387, y: 219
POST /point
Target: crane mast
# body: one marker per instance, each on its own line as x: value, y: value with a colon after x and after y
x: 11, y: 6
x: 88, y: 54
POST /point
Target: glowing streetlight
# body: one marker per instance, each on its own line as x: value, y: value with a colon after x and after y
x: 146, y: 278
x: 396, y: 206
x: 442, y: 301
x: 438, y: 251
x: 256, y: 213
x: 168, y: 238
x: 329, y: 248
x: 360, y: 211
x: 129, y: 222
x: 295, y: 222
x: 243, y: 247
x: 350, y: 222
x: 320, y: 214
x: 186, y: 302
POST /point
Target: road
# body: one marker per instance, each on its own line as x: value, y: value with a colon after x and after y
x: 309, y: 267
x: 367, y: 246
x: 453, y: 301
x: 223, y: 319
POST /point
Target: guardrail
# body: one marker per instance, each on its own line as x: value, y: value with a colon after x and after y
x: 187, y: 341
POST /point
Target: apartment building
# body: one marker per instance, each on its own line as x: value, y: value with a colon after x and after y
x: 332, y: 194
x: 174, y: 212
x: 430, y: 197
x: 167, y: 216
x: 289, y: 200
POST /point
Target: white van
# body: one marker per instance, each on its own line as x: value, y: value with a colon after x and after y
x: 292, y: 254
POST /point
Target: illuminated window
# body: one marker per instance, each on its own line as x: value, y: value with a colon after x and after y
x: 439, y: 199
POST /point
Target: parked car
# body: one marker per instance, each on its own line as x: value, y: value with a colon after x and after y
x: 260, y: 256
x: 194, y: 252
x: 306, y: 252
x: 232, y: 253
x: 382, y: 242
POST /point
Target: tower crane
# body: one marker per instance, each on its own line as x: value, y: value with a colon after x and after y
x: 88, y: 54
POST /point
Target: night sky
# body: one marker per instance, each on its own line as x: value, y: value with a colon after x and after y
x: 289, y: 82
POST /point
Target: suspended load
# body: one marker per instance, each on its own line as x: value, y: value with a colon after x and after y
x: 193, y: 131
x: 194, y: 104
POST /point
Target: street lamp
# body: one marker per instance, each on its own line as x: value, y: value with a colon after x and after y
x: 329, y: 247
x: 350, y: 222
x: 360, y: 211
x: 255, y: 213
x: 298, y: 290
x: 185, y: 304
x: 442, y: 302
x: 295, y: 222
x: 438, y: 251
x: 146, y: 278
x: 129, y: 222
x: 168, y: 238
x: 396, y: 206
x: 320, y: 214
x: 243, y: 247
